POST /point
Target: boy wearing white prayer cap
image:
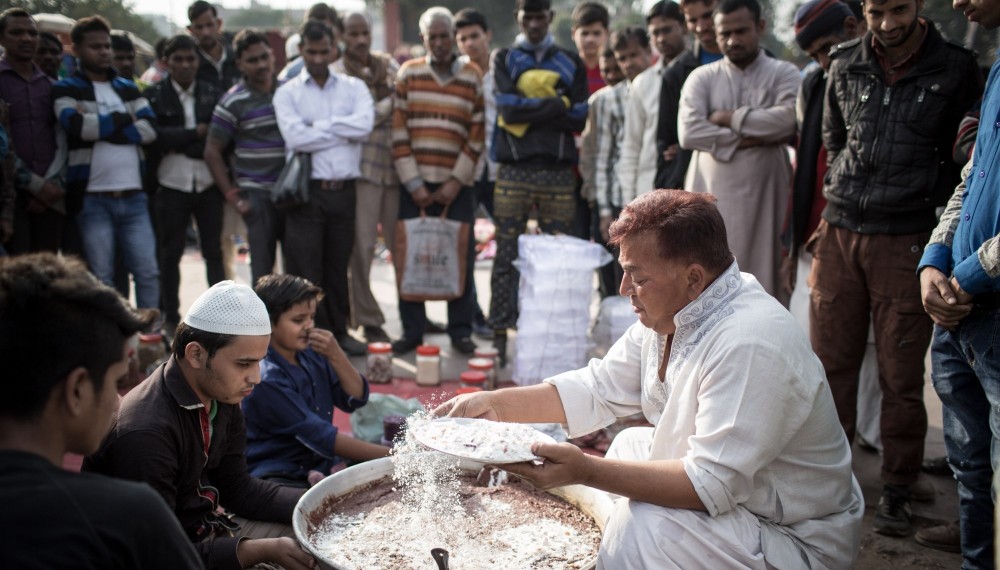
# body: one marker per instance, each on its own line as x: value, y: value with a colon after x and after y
x: 182, y: 432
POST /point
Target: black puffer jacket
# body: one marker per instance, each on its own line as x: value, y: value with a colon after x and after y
x: 890, y: 147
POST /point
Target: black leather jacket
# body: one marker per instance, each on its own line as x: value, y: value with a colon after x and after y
x: 890, y: 147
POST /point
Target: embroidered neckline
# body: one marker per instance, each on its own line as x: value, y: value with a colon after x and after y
x: 726, y: 286
x: 693, y: 322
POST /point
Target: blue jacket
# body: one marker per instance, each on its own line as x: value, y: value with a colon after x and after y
x: 289, y: 416
x: 966, y: 243
x: 549, y: 139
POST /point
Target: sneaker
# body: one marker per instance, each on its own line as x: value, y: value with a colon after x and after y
x: 892, y: 515
x: 352, y: 346
x: 463, y: 345
x: 375, y: 334
x: 946, y: 537
x: 405, y: 345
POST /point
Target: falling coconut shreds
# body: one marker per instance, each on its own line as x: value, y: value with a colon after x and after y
x: 428, y: 503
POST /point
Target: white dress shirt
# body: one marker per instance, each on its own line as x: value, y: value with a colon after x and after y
x: 745, y: 406
x: 177, y: 170
x: 330, y: 122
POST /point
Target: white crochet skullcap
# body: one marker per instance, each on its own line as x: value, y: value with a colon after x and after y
x: 229, y: 308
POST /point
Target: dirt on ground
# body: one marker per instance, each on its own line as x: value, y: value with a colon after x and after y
x: 879, y: 552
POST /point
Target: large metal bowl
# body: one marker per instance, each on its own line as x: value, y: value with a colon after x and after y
x: 591, y: 501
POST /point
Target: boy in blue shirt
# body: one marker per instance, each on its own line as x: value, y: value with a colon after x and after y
x: 291, y: 438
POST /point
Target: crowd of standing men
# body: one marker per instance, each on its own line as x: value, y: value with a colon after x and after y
x: 881, y: 126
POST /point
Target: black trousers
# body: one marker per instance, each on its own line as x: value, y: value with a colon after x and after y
x: 265, y: 225
x: 174, y: 209
x: 413, y: 314
x: 35, y: 232
x: 317, y: 245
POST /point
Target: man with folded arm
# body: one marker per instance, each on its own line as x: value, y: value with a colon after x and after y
x: 329, y: 116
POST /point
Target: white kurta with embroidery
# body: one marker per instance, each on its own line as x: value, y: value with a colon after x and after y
x: 751, y: 184
x: 746, y: 406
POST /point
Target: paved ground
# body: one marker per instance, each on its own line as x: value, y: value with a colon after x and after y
x: 877, y: 552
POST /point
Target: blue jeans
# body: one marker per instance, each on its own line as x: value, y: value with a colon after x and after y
x: 107, y: 223
x: 966, y: 375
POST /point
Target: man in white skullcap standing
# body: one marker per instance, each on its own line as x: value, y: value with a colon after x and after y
x: 182, y: 432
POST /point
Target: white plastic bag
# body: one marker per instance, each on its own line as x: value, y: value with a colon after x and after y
x: 431, y: 258
x: 557, y: 283
x: 613, y: 318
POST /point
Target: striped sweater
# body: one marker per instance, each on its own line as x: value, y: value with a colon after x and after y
x: 437, y: 125
x: 76, y: 110
x: 245, y: 118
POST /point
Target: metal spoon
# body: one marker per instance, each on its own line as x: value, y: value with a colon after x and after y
x: 441, y: 557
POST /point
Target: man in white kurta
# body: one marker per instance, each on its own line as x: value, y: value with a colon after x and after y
x: 738, y: 116
x: 746, y: 465
x: 744, y: 404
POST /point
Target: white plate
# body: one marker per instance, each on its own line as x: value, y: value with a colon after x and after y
x: 483, y: 441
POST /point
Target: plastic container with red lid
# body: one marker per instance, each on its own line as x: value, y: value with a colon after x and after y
x: 486, y: 352
x: 473, y: 379
x: 485, y: 365
x: 429, y: 365
x: 379, y: 364
x: 428, y: 350
x: 493, y: 355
